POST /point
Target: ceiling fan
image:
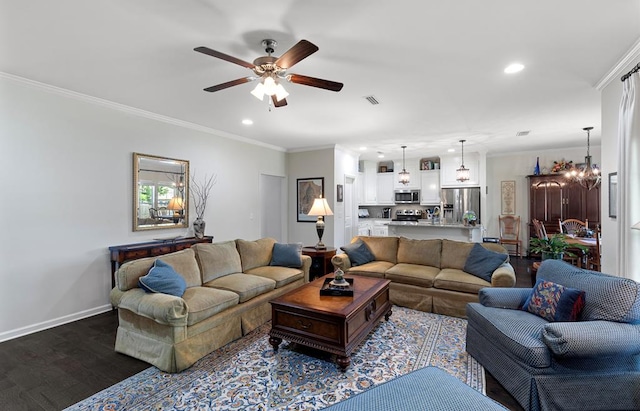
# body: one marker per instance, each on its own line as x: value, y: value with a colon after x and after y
x: 271, y: 70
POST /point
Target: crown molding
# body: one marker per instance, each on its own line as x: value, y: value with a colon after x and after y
x: 629, y: 59
x: 134, y: 111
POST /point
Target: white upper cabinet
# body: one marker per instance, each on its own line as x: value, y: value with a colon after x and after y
x: 370, y: 186
x: 385, y: 188
x: 430, y: 187
x: 449, y: 165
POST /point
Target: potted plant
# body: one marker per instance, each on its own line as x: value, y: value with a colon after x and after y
x: 554, y: 247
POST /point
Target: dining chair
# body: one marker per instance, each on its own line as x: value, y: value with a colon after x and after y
x: 572, y: 225
x: 541, y: 231
x: 593, y: 258
x: 510, y: 232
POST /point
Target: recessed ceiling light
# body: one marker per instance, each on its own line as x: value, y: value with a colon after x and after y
x: 380, y: 155
x: 451, y: 150
x: 513, y: 68
x: 363, y: 148
x: 247, y: 122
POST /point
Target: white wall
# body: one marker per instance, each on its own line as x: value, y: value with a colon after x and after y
x: 516, y: 166
x: 610, y: 98
x: 67, y: 185
x: 346, y: 164
x: 309, y: 164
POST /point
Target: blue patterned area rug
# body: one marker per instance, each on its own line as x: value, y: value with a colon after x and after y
x: 248, y: 375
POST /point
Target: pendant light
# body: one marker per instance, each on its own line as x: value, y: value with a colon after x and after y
x: 404, y: 176
x: 588, y: 176
x: 462, y: 174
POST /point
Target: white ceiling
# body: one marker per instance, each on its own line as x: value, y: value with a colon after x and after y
x: 435, y: 66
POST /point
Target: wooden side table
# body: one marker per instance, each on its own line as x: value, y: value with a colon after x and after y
x: 320, y: 261
x: 534, y: 270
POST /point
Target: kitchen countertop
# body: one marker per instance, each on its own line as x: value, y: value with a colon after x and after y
x: 425, y: 223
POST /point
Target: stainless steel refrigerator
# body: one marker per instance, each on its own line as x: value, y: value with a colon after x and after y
x: 456, y: 201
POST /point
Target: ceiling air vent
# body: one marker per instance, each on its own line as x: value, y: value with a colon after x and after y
x: 523, y: 133
x: 372, y: 100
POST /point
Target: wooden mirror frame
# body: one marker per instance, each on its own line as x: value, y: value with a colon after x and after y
x: 161, y: 174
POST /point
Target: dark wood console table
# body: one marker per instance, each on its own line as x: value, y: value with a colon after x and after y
x: 123, y: 253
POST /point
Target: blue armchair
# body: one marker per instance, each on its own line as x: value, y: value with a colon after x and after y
x: 589, y: 364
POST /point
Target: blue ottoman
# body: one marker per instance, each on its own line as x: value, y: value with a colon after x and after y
x: 428, y: 388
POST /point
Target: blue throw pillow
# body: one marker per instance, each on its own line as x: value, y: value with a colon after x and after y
x: 162, y: 278
x: 358, y: 253
x: 554, y: 302
x: 287, y: 255
x: 482, y: 262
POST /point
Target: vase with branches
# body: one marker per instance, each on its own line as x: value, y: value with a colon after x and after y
x: 200, y: 194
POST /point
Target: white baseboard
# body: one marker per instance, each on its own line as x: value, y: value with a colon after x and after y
x: 19, y: 332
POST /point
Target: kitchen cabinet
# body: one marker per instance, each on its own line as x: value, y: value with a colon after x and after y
x: 413, y: 167
x: 552, y: 197
x: 449, y: 165
x: 430, y: 187
x: 370, y: 183
x: 380, y: 229
x: 385, y: 189
x: 365, y: 228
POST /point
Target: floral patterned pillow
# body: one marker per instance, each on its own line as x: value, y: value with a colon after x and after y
x: 554, y: 302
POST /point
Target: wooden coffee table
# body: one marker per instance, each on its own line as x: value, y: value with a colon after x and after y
x: 335, y: 324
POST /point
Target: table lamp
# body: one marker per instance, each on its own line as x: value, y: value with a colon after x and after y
x: 177, y: 205
x: 320, y: 208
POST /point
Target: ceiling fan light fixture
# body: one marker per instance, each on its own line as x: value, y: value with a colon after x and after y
x: 280, y: 92
x: 258, y: 91
x: 269, y: 86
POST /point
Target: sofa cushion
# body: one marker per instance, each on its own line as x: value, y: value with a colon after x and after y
x: 457, y: 280
x: 383, y: 248
x: 512, y: 331
x: 203, y: 302
x: 246, y: 286
x: 358, y: 253
x: 482, y: 262
x: 454, y: 254
x: 281, y: 275
x: 287, y: 255
x: 423, y: 252
x: 375, y: 269
x: 184, y: 262
x: 255, y: 253
x: 162, y: 278
x: 554, y: 302
x: 414, y: 274
x: 217, y: 259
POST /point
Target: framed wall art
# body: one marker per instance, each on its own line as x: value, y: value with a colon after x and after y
x: 508, y: 197
x: 308, y: 190
x: 340, y: 193
x: 613, y: 195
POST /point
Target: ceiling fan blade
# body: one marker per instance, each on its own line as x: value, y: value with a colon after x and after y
x: 229, y: 84
x: 315, y: 82
x: 210, y: 52
x: 301, y: 50
x: 277, y: 103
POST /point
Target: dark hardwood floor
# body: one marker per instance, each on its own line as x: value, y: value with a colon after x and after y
x: 55, y: 368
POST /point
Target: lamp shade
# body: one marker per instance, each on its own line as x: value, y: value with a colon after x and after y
x: 320, y: 207
x: 175, y: 203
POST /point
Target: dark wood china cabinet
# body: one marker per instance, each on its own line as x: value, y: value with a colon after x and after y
x: 553, y: 197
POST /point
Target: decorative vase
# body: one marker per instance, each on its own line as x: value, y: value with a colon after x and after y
x: 198, y: 227
x: 536, y: 171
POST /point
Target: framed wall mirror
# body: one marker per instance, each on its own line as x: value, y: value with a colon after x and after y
x: 160, y: 192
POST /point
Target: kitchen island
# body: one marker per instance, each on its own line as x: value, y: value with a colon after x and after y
x: 424, y: 230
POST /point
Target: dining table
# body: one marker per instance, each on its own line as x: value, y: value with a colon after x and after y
x: 589, y: 242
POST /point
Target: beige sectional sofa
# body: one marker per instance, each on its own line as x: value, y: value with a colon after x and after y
x: 427, y: 275
x: 229, y: 286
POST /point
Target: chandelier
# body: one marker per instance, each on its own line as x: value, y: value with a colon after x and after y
x: 588, y: 176
x: 404, y: 175
x: 462, y: 174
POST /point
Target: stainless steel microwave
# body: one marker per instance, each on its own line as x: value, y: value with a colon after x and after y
x: 407, y: 196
